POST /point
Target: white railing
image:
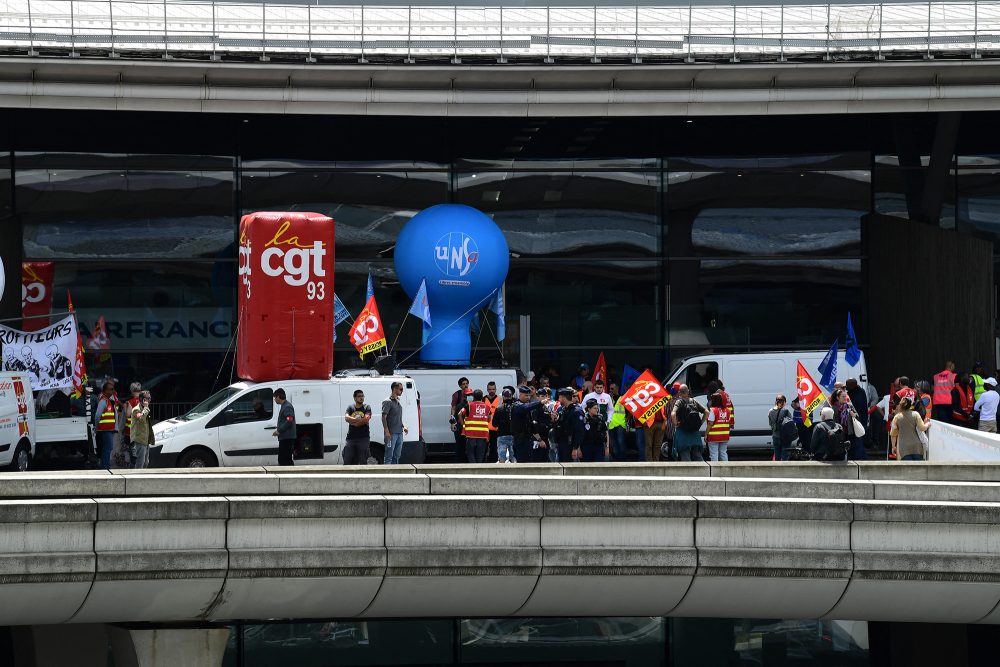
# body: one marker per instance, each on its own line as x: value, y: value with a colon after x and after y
x: 349, y: 31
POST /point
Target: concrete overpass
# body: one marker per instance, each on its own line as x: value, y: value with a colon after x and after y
x: 872, y: 541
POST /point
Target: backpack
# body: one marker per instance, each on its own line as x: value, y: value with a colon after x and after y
x: 788, y: 431
x: 688, y: 416
x: 834, y: 445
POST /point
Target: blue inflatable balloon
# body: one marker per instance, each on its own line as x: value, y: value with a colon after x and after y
x: 464, y: 257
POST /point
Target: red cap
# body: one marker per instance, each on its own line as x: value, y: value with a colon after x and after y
x: 467, y: 391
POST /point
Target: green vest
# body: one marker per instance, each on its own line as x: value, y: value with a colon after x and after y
x: 618, y: 417
x: 978, y: 387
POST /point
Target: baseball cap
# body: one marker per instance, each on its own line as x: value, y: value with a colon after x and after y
x: 507, y: 393
x: 467, y: 391
x: 584, y: 366
x: 992, y: 381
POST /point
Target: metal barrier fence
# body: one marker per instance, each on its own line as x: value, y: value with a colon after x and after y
x: 525, y: 31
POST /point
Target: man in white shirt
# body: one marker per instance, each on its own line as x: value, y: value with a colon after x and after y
x: 604, y: 405
x: 987, y: 406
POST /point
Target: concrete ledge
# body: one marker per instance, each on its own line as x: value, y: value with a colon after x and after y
x: 161, y: 509
x: 921, y: 512
x: 200, y: 485
x: 506, y: 485
x: 970, y: 471
x: 549, y: 469
x: 244, y: 470
x: 597, y: 485
x: 799, y: 488
x: 795, y: 509
x: 400, y: 469
x: 327, y: 484
x: 464, y: 506
x: 47, y: 510
x: 306, y: 507
x: 621, y: 506
x: 986, y: 492
x: 87, y: 484
x: 638, y: 469
x: 787, y: 469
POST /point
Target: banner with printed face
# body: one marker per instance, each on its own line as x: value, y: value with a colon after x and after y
x: 36, y: 293
x: 45, y: 355
x: 285, y: 285
x: 645, y: 398
x: 367, y: 333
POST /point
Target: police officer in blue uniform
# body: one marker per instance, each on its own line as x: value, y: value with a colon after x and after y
x: 570, y: 427
x: 522, y: 425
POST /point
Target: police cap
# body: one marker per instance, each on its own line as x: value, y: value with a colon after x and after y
x: 591, y: 403
x: 565, y: 392
x: 524, y: 389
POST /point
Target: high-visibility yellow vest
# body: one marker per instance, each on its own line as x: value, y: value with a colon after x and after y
x: 978, y: 386
x: 108, y: 418
x: 618, y: 417
x: 718, y: 431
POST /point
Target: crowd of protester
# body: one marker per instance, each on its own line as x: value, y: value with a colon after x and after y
x: 586, y: 420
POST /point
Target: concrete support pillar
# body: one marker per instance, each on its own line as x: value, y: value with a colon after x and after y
x: 168, y: 647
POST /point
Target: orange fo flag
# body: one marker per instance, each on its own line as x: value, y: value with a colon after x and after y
x: 600, y: 370
x: 810, y: 395
x: 367, y: 333
x: 79, y: 365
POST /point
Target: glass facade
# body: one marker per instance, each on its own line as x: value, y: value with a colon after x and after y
x: 647, y: 258
x: 593, y: 642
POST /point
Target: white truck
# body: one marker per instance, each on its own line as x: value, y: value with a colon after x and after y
x: 17, y: 421
x: 752, y: 380
x: 235, y: 426
x: 436, y: 388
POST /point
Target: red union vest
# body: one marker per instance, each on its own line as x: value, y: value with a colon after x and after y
x: 718, y: 430
x: 477, y: 420
x: 108, y: 419
x: 944, y: 382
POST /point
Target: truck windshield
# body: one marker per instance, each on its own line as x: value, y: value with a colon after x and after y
x: 210, y: 403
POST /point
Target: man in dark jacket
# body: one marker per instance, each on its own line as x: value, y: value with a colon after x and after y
x: 859, y: 399
x: 285, y: 431
x: 570, y: 426
x: 828, y: 443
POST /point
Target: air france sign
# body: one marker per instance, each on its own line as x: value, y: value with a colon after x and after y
x: 456, y: 255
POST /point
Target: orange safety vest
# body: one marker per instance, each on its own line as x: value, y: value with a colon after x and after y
x: 944, y: 382
x: 963, y: 411
x: 494, y: 404
x: 108, y: 417
x: 718, y: 430
x: 477, y: 420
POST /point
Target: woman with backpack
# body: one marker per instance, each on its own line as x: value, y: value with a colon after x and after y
x: 688, y: 415
x: 907, y: 426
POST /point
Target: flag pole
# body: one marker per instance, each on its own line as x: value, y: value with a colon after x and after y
x: 399, y: 331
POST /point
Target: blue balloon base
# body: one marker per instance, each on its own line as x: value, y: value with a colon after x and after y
x: 451, y: 347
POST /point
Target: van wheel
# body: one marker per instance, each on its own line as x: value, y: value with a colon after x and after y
x: 21, y: 460
x: 197, y: 457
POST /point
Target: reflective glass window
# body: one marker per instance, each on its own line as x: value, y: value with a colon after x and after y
x: 369, y: 207
x: 75, y: 208
x: 766, y: 213
x: 979, y: 201
x: 152, y: 305
x: 743, y: 303
x: 579, y: 214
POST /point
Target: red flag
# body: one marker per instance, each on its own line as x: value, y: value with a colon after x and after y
x: 367, y: 333
x: 645, y: 398
x: 36, y: 293
x: 600, y: 370
x: 810, y: 395
x: 99, y: 336
x: 79, y: 365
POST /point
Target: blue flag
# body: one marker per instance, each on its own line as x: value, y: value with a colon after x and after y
x: 419, y: 307
x: 474, y: 323
x: 497, y: 306
x: 629, y: 375
x: 828, y: 367
x: 371, y: 288
x: 340, y: 312
x: 852, y: 354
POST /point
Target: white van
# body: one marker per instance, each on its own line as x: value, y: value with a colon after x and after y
x: 234, y: 426
x: 436, y: 388
x: 752, y: 380
x: 17, y: 421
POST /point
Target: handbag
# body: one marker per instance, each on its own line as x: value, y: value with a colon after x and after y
x: 859, y: 430
x: 922, y: 437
